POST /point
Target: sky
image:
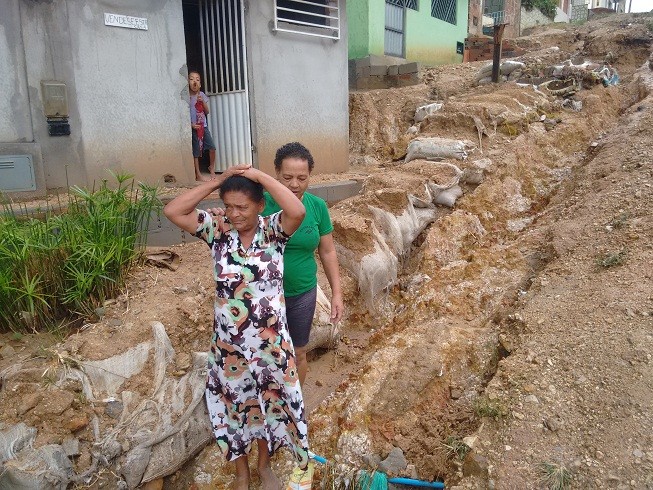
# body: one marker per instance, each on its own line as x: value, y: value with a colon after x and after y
x: 640, y: 5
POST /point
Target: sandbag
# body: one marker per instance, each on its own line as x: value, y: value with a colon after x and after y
x: 433, y: 148
x: 422, y: 112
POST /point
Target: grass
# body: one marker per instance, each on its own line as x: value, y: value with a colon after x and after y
x: 456, y: 448
x: 484, y: 407
x: 57, y: 266
x: 555, y: 476
x: 612, y: 259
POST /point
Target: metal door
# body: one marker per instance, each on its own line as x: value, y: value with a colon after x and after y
x: 394, y: 29
x: 222, y: 31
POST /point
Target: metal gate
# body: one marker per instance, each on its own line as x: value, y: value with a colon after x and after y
x: 394, y: 29
x: 222, y: 31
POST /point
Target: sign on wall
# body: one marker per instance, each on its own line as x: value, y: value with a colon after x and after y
x: 118, y: 20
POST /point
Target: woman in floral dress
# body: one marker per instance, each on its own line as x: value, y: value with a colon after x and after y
x: 252, y: 389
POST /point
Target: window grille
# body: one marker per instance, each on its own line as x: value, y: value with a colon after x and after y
x: 319, y: 18
x: 444, y: 10
x: 409, y: 4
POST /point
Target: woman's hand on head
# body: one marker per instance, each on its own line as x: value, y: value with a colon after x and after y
x: 236, y: 170
x: 253, y: 174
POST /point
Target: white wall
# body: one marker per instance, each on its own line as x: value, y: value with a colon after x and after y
x: 126, y: 88
x: 299, y: 91
x: 533, y: 18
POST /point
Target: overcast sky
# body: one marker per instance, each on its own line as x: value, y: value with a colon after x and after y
x: 640, y: 5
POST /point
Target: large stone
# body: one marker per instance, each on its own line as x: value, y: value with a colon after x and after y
x: 475, y: 465
x: 55, y: 402
x: 28, y: 402
x: 395, y: 463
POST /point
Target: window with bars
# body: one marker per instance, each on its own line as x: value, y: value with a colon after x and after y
x: 409, y: 4
x: 444, y: 10
x: 319, y: 18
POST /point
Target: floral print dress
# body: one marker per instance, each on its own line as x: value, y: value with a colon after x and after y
x: 252, y: 387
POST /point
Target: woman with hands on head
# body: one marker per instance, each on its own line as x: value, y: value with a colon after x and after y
x: 252, y: 389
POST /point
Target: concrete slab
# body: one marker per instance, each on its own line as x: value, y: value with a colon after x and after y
x: 409, y: 68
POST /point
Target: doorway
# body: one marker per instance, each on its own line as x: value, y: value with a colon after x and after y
x: 394, y: 28
x: 215, y: 47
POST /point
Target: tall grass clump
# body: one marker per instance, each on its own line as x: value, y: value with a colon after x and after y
x: 65, y: 263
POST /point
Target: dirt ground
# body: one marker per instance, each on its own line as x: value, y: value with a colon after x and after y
x: 520, y: 321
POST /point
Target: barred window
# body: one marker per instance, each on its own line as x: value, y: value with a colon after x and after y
x: 319, y: 18
x: 444, y: 10
x: 409, y: 4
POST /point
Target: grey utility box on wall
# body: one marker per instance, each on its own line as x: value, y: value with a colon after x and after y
x: 17, y: 173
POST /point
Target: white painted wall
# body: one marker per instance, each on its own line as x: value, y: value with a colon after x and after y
x: 127, y: 89
x: 299, y: 91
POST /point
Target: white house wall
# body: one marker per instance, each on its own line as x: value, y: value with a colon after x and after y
x: 126, y: 88
x: 299, y: 91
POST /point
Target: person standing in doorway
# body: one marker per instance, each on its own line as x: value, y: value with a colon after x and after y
x: 293, y: 164
x: 202, y: 140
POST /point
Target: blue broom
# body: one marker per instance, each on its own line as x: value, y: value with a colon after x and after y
x: 379, y: 481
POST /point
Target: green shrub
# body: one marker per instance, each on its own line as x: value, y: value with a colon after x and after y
x: 547, y: 7
x: 65, y: 265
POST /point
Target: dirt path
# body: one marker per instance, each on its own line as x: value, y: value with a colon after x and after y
x: 577, y: 387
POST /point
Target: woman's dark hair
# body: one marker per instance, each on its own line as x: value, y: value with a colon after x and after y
x: 293, y: 150
x: 238, y: 183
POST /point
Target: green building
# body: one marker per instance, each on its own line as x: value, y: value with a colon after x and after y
x: 431, y: 32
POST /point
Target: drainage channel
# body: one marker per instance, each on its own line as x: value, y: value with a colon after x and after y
x: 162, y: 233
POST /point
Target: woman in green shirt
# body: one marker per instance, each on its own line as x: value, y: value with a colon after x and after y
x: 293, y: 164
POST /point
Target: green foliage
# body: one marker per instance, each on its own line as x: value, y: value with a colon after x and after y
x: 612, y: 259
x: 555, y: 476
x: 64, y: 265
x: 547, y: 7
x: 484, y: 407
x: 456, y: 448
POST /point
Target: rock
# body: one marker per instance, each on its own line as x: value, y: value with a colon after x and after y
x: 518, y: 415
x: 55, y: 402
x: 77, y: 423
x: 318, y: 383
x: 395, y: 463
x: 475, y: 465
x: 7, y: 351
x: 184, y: 361
x: 553, y: 423
x: 115, y: 322
x: 638, y: 453
x: 28, y: 402
x: 470, y: 441
x: 531, y: 399
x: 71, y: 446
x: 411, y: 471
x: 455, y: 392
x: 372, y: 460
x: 113, y: 409
x: 100, y: 312
x: 180, y: 289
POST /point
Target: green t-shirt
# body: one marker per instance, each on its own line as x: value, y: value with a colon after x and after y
x: 300, y: 268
